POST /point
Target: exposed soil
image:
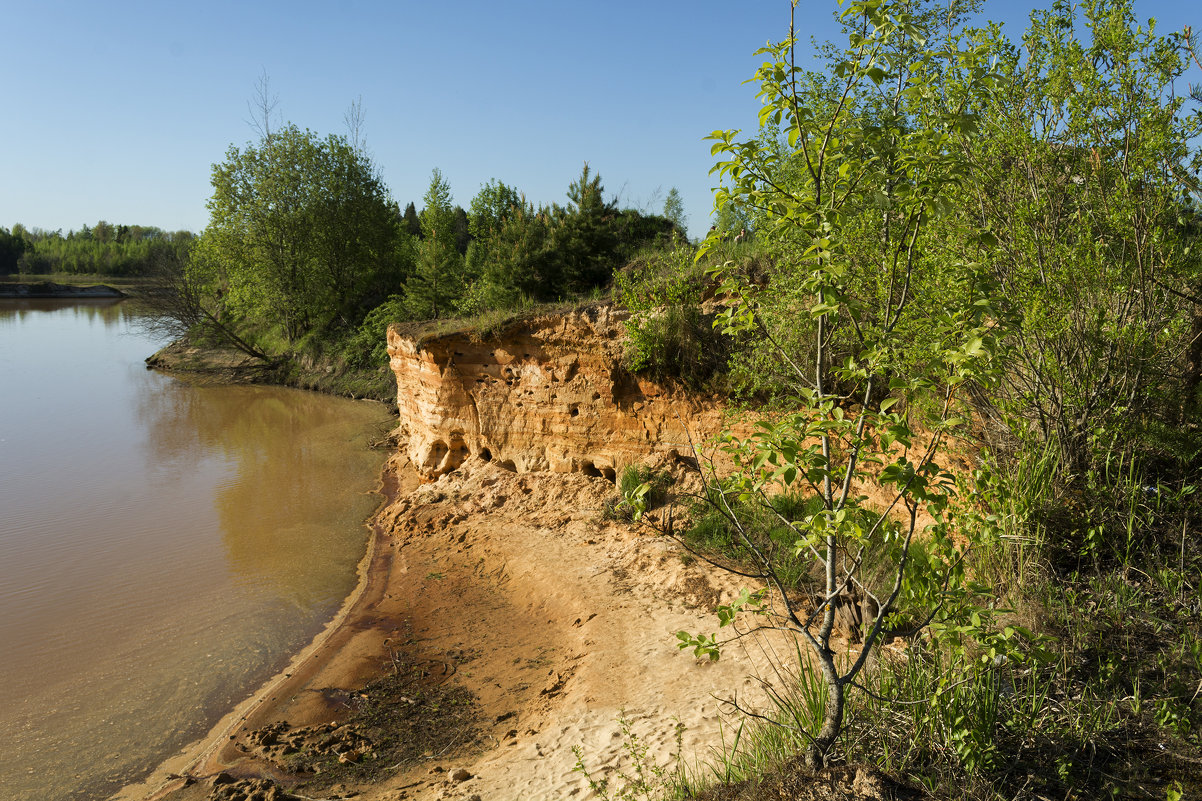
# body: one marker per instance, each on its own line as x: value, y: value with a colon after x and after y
x: 503, y: 622
x: 210, y: 364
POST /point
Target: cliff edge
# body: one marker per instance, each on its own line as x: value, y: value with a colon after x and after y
x: 549, y: 393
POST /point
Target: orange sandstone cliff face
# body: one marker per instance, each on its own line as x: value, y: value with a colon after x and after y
x: 548, y: 393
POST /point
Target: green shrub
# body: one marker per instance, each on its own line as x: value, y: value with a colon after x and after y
x: 712, y: 532
x: 669, y: 337
x: 368, y: 345
x: 640, y: 489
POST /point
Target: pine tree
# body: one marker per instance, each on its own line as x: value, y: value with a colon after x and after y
x: 410, y: 222
x: 438, y: 279
x: 674, y: 209
x: 584, y: 236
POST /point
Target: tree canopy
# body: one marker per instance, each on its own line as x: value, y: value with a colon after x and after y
x: 301, y: 232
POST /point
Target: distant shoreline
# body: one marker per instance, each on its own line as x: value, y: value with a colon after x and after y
x: 49, y: 289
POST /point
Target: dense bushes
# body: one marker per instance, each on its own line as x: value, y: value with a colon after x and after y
x: 962, y: 235
x: 670, y: 337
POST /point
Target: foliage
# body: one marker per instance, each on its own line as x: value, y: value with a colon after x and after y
x: 13, y: 245
x: 521, y: 254
x: 410, y: 222
x: 668, y: 336
x: 301, y: 232
x: 674, y: 209
x: 1111, y: 707
x: 103, y: 249
x: 583, y: 235
x: 511, y: 255
x: 181, y: 307
x: 640, y: 489
x: 1081, y: 174
x: 875, y: 161
x: 368, y: 346
x: 492, y: 205
x: 438, y: 278
x: 712, y: 534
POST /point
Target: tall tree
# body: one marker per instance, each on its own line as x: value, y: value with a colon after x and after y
x: 463, y: 236
x: 583, y: 236
x: 674, y: 209
x: 12, y: 246
x: 300, y: 230
x: 866, y: 177
x: 491, y: 208
x: 437, y: 281
x: 411, y: 221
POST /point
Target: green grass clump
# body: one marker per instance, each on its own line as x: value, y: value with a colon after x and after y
x: 713, y: 533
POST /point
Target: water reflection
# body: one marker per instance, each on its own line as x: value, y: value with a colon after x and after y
x: 291, y: 455
x: 163, y: 547
x: 110, y: 312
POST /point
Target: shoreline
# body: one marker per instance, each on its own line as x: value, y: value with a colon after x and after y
x: 515, y: 589
x: 210, y: 755
x: 49, y: 290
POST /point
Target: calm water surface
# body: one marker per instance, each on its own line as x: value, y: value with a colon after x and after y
x: 164, y: 547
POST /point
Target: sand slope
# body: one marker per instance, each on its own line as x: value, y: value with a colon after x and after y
x: 557, y: 619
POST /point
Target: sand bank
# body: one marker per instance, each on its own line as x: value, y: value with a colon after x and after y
x: 557, y: 620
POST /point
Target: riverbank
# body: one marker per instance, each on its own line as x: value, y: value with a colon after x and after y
x: 52, y: 290
x: 555, y: 619
x: 229, y: 366
x: 517, y: 590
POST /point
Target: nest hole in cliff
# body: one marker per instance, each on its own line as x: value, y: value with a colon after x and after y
x: 592, y: 471
x: 575, y: 410
x: 457, y: 453
x: 486, y: 454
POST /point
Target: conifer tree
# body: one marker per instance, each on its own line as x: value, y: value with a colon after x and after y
x: 674, y: 209
x: 410, y: 221
x: 584, y: 237
x: 438, y: 279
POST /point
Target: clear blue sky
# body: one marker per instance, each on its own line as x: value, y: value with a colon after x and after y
x: 117, y: 111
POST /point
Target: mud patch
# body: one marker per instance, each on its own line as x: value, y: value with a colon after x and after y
x: 400, y: 720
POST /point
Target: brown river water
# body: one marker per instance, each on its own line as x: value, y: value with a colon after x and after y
x: 164, y: 547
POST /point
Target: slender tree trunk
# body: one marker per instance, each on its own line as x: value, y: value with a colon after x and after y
x: 832, y: 723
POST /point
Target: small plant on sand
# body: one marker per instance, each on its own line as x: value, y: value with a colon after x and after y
x: 640, y: 489
x: 641, y: 778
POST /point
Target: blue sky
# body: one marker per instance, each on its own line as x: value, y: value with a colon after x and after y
x: 117, y: 111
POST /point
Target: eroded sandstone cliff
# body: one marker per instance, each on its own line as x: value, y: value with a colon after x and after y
x: 546, y: 393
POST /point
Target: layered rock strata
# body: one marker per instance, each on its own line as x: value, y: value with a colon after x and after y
x: 547, y: 393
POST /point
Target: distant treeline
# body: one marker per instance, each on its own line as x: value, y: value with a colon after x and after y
x: 102, y: 249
